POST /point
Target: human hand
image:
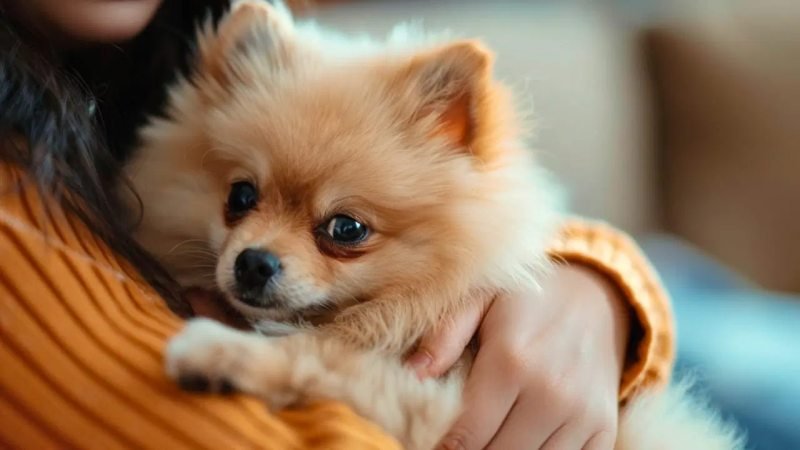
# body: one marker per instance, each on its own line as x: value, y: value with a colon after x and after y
x: 548, y: 367
x: 206, y: 303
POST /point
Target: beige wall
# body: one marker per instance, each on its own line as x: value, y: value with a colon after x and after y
x: 578, y: 69
x: 712, y: 146
x: 729, y: 88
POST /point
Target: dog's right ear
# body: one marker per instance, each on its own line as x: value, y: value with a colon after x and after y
x: 252, y: 27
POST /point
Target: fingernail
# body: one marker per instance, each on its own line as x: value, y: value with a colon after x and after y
x: 420, y: 361
x: 451, y: 443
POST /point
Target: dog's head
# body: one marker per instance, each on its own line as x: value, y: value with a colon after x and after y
x: 319, y: 179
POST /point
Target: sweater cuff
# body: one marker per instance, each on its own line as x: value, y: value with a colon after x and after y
x: 619, y: 258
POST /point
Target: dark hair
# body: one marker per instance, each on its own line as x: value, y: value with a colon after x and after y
x: 78, y: 113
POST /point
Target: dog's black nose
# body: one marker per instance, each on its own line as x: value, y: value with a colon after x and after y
x: 253, y: 268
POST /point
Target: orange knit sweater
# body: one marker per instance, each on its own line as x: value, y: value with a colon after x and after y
x: 81, y: 344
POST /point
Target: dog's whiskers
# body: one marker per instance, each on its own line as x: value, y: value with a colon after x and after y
x: 200, y: 248
x: 203, y: 268
x: 196, y: 255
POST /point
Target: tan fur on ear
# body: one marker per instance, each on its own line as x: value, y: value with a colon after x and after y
x: 251, y: 24
x: 454, y: 87
x: 456, y: 121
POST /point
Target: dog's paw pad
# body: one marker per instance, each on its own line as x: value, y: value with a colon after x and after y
x: 226, y: 387
x: 192, y: 382
x: 208, y: 357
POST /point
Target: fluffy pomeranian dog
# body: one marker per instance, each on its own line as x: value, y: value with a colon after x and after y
x: 347, y: 196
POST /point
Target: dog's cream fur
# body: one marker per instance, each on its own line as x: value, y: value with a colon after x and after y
x: 413, y: 137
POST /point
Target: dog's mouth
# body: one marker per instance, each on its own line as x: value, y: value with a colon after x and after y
x: 260, y: 300
x: 258, y: 306
x: 269, y: 304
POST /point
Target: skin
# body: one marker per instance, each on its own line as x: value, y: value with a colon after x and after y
x: 522, y: 392
x: 75, y: 22
x: 549, y: 363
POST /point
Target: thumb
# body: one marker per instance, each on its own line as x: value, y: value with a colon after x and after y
x: 440, y: 349
x: 206, y: 303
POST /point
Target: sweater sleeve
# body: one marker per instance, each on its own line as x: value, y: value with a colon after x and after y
x: 614, y: 254
x: 81, y: 364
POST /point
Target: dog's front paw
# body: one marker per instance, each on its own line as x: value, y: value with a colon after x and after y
x: 208, y: 357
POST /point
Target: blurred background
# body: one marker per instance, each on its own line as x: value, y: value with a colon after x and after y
x: 679, y: 122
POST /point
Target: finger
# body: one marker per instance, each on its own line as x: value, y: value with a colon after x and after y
x: 603, y: 440
x: 440, y: 349
x: 206, y: 303
x: 570, y: 436
x: 487, y: 401
x: 530, y: 424
x: 596, y: 428
x: 203, y: 304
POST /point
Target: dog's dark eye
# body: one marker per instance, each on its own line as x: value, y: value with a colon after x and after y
x: 242, y: 198
x: 346, y: 230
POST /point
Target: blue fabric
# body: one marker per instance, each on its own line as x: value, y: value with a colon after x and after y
x: 742, y: 344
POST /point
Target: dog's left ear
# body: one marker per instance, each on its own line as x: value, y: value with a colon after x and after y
x: 251, y: 26
x: 451, y: 88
